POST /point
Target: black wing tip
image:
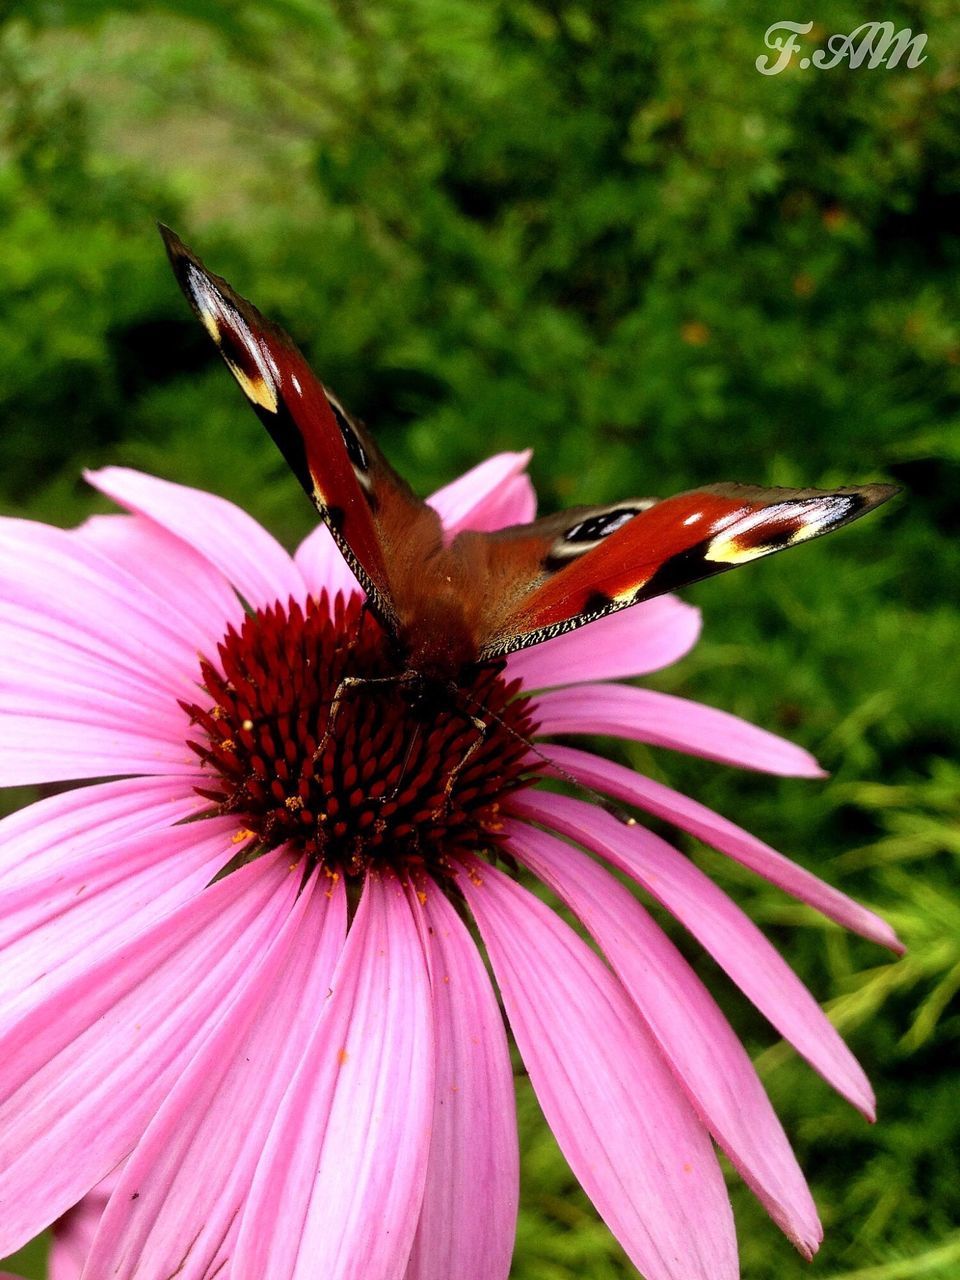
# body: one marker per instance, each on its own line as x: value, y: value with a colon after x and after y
x: 177, y: 251
x: 189, y: 270
x: 874, y: 495
x: 866, y: 498
x: 170, y: 237
x: 184, y: 263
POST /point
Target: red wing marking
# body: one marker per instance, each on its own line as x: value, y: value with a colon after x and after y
x: 671, y: 544
x: 322, y: 447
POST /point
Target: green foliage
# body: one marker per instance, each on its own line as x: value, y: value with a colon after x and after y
x: 593, y: 229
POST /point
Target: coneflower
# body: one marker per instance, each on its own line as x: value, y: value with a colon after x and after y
x: 245, y: 965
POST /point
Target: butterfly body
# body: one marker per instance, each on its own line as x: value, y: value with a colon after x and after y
x: 435, y: 634
x: 451, y: 605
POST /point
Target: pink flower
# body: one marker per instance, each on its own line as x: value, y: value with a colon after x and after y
x: 73, y: 1233
x: 242, y: 965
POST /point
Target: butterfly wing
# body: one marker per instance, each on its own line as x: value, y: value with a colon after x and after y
x: 519, y: 586
x: 371, y: 512
x: 581, y: 565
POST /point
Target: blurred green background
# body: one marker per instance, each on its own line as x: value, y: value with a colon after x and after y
x: 596, y: 230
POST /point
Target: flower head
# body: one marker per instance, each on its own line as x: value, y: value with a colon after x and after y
x: 307, y: 732
x: 241, y: 966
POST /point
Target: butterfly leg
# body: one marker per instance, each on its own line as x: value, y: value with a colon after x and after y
x: 390, y: 796
x: 604, y: 802
x: 347, y: 684
x: 483, y: 728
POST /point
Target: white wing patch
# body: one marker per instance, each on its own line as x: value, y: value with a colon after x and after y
x: 775, y: 528
x: 259, y: 382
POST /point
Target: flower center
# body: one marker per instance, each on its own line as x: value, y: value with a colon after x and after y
x: 313, y: 734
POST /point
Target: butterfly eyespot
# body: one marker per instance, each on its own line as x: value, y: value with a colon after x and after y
x: 596, y: 527
x: 590, y: 532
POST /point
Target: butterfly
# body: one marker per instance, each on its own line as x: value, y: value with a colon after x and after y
x: 451, y: 605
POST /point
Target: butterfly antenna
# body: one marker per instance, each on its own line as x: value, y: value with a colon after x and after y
x: 604, y: 802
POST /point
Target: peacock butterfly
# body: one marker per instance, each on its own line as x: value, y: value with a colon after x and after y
x: 450, y: 606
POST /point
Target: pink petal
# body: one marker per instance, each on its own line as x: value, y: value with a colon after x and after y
x: 323, y: 567
x: 180, y: 1196
x: 92, y: 907
x: 74, y: 1232
x: 83, y: 1068
x: 626, y: 1129
x: 65, y: 627
x: 42, y: 674
x: 720, y: 926
x: 40, y: 748
x: 473, y: 1149
x: 666, y: 721
x: 492, y: 495
x: 632, y: 788
x: 89, y: 668
x: 338, y: 1189
x: 633, y: 642
x: 62, y: 827
x: 249, y: 557
x: 171, y: 569
x: 704, y: 1054
x: 51, y: 666
x: 51, y: 693
x: 54, y: 585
